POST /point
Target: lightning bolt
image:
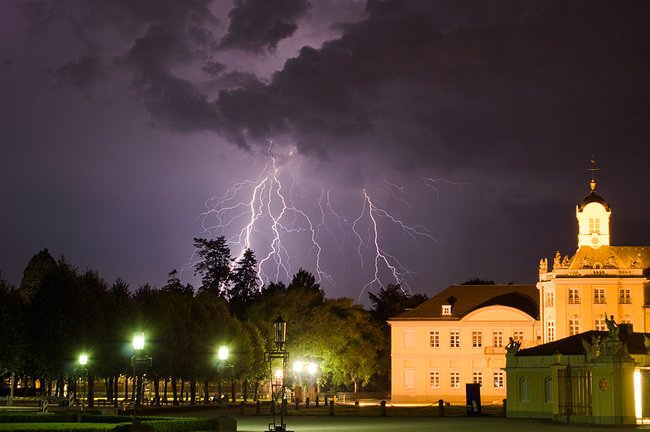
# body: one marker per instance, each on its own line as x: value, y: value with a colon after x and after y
x: 268, y: 214
x: 380, y: 257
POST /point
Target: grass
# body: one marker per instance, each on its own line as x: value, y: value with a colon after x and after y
x: 56, y: 426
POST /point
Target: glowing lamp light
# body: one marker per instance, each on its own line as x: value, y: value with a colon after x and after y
x: 278, y: 374
x: 312, y: 368
x: 298, y: 365
x: 638, y: 401
x: 138, y: 341
x: 83, y: 359
x: 223, y: 352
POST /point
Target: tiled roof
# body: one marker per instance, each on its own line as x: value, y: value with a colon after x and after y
x: 572, y: 345
x: 467, y: 298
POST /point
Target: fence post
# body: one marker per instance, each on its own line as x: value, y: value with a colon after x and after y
x: 505, y: 407
x: 331, y: 407
x: 317, y: 402
x: 441, y: 408
x: 383, y: 408
x: 258, y: 405
x: 307, y: 402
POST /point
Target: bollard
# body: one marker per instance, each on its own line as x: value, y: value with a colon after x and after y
x: 356, y: 404
x: 241, y: 408
x: 382, y: 411
x: 272, y: 406
x: 285, y: 407
x: 297, y: 404
x: 317, y: 402
x: 325, y: 401
x: 441, y: 408
x: 331, y: 407
x: 505, y: 408
x: 258, y: 405
x: 307, y: 402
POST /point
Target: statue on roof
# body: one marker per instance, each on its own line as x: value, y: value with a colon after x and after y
x: 512, y: 347
x: 543, y: 266
x: 591, y: 347
x: 612, y: 327
x: 556, y: 261
x: 565, y: 262
x: 637, y: 262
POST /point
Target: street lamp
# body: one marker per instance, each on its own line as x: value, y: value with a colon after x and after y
x: 83, y: 361
x: 138, y: 357
x: 222, y: 356
x: 280, y: 332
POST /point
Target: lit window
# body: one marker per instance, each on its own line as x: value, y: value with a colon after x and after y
x: 454, y: 338
x: 600, y: 323
x: 434, y: 339
x: 498, y: 379
x: 574, y: 326
x: 477, y: 378
x: 594, y: 226
x: 518, y: 336
x: 446, y: 309
x: 574, y: 296
x: 477, y: 339
x: 599, y: 295
x: 497, y: 338
x: 550, y: 298
x: 434, y: 379
x: 550, y: 331
x: 454, y: 379
x: 626, y: 320
x: 624, y: 296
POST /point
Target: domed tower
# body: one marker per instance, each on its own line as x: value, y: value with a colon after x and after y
x: 593, y: 219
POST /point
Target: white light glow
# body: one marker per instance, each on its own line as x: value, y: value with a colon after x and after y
x: 312, y: 368
x: 298, y: 366
x: 223, y: 352
x: 138, y: 341
x: 278, y: 374
x: 83, y: 359
x: 638, y: 401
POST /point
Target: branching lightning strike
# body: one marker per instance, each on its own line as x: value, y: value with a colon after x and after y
x: 263, y: 214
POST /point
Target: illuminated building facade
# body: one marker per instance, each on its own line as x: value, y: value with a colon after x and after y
x: 599, y: 281
x: 460, y: 336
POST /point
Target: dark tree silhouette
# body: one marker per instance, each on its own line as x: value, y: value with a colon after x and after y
x: 214, y: 266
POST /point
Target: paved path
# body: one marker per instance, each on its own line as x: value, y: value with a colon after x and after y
x: 421, y: 424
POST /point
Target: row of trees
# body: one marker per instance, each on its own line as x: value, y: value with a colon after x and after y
x: 58, y: 312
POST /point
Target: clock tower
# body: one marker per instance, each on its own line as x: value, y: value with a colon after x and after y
x: 593, y: 219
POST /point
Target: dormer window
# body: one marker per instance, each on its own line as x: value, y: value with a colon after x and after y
x: 446, y: 309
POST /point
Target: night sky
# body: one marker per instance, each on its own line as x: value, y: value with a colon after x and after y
x: 451, y: 137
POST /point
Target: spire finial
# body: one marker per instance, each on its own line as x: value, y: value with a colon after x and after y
x: 593, y: 169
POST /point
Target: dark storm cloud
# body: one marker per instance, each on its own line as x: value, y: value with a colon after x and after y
x: 448, y: 85
x: 256, y: 25
x: 82, y: 73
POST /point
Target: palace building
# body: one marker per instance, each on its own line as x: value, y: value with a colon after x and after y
x: 460, y: 335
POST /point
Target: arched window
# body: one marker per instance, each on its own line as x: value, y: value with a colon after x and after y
x: 548, y: 389
x: 524, y: 391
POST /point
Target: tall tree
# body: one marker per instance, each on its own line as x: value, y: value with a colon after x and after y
x: 244, y: 287
x: 392, y: 301
x: 214, y: 266
x: 38, y: 267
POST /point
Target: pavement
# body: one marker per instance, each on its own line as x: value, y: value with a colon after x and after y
x: 420, y: 424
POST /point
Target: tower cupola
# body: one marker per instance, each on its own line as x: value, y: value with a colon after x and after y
x: 593, y: 217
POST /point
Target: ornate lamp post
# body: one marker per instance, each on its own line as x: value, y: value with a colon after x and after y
x: 277, y: 390
x: 222, y: 356
x: 83, y: 361
x: 138, y: 357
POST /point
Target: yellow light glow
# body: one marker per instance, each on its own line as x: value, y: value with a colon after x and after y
x: 278, y: 374
x: 83, y: 359
x: 298, y: 365
x: 138, y: 341
x: 312, y: 368
x: 223, y: 352
x: 638, y: 402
